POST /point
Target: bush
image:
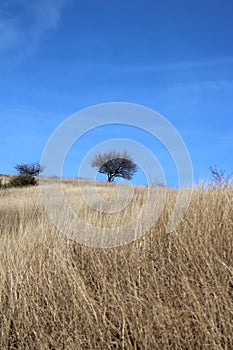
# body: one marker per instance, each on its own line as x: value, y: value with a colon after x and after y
x: 21, y: 181
x: 27, y: 174
x: 33, y: 169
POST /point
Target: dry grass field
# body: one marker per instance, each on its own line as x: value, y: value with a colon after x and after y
x: 163, y: 291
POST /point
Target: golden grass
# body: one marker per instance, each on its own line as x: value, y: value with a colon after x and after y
x: 5, y: 178
x: 163, y: 291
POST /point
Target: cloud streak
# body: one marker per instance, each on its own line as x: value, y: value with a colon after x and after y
x: 180, y: 65
x: 157, y: 67
x: 23, y: 23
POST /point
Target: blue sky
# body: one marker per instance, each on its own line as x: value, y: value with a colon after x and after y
x: 58, y: 57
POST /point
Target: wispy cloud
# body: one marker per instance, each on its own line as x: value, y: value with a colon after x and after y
x: 178, y: 65
x: 22, y: 23
x: 157, y: 67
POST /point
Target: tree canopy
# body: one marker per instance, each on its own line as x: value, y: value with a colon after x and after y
x: 115, y: 164
x: 29, y: 169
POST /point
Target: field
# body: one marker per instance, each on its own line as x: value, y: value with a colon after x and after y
x: 162, y: 291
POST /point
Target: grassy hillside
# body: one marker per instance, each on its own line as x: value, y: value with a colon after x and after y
x: 163, y: 291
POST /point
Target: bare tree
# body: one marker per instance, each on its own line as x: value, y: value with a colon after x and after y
x: 115, y: 164
x: 29, y: 169
x: 219, y: 177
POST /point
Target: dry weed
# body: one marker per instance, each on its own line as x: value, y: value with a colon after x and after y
x: 160, y: 292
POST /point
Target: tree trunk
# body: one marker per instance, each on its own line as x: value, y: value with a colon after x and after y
x: 110, y: 178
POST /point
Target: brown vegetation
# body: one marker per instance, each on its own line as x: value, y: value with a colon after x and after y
x: 5, y: 178
x: 160, y: 292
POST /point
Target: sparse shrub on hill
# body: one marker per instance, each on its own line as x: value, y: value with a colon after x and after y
x: 26, y: 177
x: 27, y: 173
x: 33, y: 169
x: 22, y: 180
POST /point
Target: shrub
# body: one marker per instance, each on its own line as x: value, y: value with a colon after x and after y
x: 33, y: 169
x: 22, y: 180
